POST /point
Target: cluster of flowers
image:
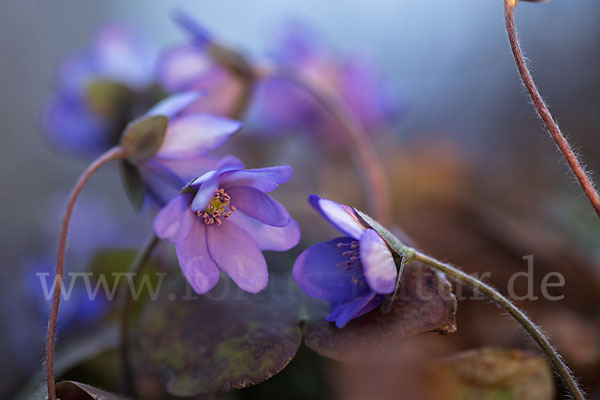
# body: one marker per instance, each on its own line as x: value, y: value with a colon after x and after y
x: 217, y: 213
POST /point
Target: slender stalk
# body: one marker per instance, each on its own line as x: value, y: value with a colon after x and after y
x: 516, y: 313
x: 409, y: 254
x: 136, y: 267
x: 116, y: 153
x: 562, y: 143
x: 363, y: 152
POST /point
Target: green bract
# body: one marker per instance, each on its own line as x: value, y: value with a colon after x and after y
x: 143, y: 137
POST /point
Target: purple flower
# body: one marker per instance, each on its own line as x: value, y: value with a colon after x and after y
x: 185, y: 151
x: 223, y: 220
x: 199, y: 34
x: 354, y: 79
x: 191, y: 66
x: 353, y: 272
x: 99, y: 90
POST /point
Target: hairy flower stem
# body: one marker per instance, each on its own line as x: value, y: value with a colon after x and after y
x: 409, y: 254
x: 116, y: 153
x: 516, y: 313
x: 562, y: 143
x: 362, y: 150
x: 124, y: 316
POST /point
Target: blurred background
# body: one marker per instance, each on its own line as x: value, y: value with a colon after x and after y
x: 468, y: 127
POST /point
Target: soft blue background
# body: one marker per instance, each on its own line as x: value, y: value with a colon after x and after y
x: 451, y: 57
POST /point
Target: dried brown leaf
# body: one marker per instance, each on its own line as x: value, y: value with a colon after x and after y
x: 425, y: 303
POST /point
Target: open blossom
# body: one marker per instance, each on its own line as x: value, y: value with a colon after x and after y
x: 354, y: 79
x: 99, y: 90
x: 223, y: 220
x: 185, y: 150
x: 191, y: 66
x: 353, y: 272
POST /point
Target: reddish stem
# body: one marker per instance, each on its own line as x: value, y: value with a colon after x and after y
x: 116, y: 153
x: 544, y: 112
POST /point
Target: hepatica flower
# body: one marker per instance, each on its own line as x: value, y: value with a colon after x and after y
x: 191, y: 66
x: 223, y: 220
x: 183, y: 152
x: 353, y: 272
x: 353, y: 78
x: 99, y: 90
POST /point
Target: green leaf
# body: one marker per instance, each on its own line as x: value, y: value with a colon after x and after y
x: 108, y: 98
x: 69, y: 390
x: 134, y: 184
x: 306, y: 377
x: 496, y: 374
x: 143, y: 137
x: 227, y: 339
x: 112, y: 266
x: 111, y: 261
x: 424, y: 303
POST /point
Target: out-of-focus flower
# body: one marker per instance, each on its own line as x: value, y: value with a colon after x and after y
x: 79, y: 306
x: 194, y: 66
x: 223, y: 220
x: 281, y: 106
x: 182, y: 149
x: 355, y: 80
x: 353, y: 272
x: 99, y: 90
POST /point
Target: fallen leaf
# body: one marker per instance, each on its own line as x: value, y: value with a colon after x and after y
x: 69, y: 390
x: 223, y: 340
x: 425, y: 303
x: 496, y: 374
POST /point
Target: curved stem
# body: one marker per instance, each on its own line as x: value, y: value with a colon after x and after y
x: 116, y: 153
x: 410, y: 254
x: 136, y: 267
x: 362, y: 150
x: 515, y: 312
x: 583, y: 179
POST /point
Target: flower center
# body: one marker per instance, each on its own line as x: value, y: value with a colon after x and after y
x: 218, y: 207
x: 352, y: 263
